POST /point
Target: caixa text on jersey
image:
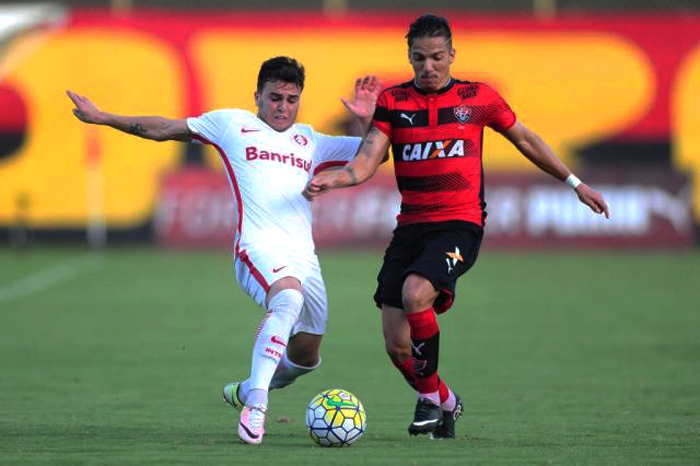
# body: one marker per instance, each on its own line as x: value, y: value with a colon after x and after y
x: 434, y: 150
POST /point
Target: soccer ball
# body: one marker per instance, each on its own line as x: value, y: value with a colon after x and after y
x: 335, y: 418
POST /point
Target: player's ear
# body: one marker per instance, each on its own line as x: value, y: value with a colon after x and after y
x: 256, y: 96
x: 453, y: 52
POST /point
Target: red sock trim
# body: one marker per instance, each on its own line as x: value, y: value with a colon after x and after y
x: 423, y: 324
x: 407, y: 370
x: 427, y: 384
x: 444, y: 391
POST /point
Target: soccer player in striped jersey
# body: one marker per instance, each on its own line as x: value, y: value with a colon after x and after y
x: 269, y: 159
x: 434, y: 124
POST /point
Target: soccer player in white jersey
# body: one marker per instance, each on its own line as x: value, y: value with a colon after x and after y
x: 269, y: 159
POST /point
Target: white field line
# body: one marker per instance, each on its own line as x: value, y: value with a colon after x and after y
x: 47, y: 278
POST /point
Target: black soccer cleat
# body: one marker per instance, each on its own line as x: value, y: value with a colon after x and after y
x: 426, y: 418
x: 446, y: 428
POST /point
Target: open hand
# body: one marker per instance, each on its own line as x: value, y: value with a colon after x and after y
x: 85, y: 110
x: 367, y: 91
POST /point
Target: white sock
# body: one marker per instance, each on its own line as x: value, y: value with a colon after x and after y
x: 271, y: 341
x: 449, y: 403
x: 287, y: 372
x: 257, y: 398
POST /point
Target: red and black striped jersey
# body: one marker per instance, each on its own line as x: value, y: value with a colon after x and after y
x: 436, y: 140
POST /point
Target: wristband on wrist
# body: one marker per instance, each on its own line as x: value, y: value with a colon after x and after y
x: 572, y: 181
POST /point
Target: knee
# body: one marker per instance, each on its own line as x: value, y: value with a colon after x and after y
x: 417, y: 294
x: 288, y: 301
x: 413, y: 299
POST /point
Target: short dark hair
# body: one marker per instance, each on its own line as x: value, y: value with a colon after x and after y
x: 429, y: 26
x: 281, y: 69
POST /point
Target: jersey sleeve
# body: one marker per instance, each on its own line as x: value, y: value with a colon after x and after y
x: 500, y: 116
x: 382, y: 117
x: 334, y: 151
x: 211, y: 127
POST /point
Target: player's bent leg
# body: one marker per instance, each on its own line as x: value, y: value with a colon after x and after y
x: 284, y: 304
x: 301, y: 357
x: 397, y: 341
x: 418, y: 295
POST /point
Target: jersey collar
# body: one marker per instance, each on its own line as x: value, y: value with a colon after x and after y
x: 450, y: 84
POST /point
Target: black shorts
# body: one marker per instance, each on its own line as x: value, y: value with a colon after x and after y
x: 440, y: 252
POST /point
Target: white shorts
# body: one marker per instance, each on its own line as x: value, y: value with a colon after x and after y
x: 257, y: 268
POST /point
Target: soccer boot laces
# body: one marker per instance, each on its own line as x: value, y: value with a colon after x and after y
x: 231, y: 395
x: 426, y: 417
x: 251, y: 427
x: 446, y: 428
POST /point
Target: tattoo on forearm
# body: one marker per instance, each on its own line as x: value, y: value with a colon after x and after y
x: 137, y: 129
x: 371, y: 136
x: 351, y: 172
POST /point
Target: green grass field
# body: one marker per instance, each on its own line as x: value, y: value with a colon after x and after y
x: 562, y: 358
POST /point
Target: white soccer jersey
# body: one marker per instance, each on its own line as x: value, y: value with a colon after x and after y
x: 268, y: 171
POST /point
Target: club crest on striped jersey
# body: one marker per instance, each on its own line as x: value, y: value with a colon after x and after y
x: 462, y: 113
x: 433, y: 150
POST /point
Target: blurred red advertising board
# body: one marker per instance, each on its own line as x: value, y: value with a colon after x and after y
x: 648, y: 209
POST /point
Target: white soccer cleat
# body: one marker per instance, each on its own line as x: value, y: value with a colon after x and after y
x: 251, y: 427
x: 231, y: 395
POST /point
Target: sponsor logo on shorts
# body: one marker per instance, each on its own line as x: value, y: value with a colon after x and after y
x: 452, y: 259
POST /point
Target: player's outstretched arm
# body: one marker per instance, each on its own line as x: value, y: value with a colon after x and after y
x: 538, y: 152
x: 367, y: 91
x: 154, y: 128
x: 359, y: 170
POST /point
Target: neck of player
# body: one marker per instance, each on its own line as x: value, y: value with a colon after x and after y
x: 447, y: 82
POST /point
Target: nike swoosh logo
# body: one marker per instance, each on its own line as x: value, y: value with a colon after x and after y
x: 250, y: 434
x: 277, y: 341
x: 249, y: 130
x: 422, y: 423
x: 277, y: 270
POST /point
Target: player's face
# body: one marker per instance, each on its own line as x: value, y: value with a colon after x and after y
x: 278, y: 104
x: 431, y: 58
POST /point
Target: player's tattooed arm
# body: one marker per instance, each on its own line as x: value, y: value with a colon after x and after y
x: 360, y: 169
x: 372, y: 153
x: 351, y: 173
x: 155, y: 128
x: 137, y: 129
